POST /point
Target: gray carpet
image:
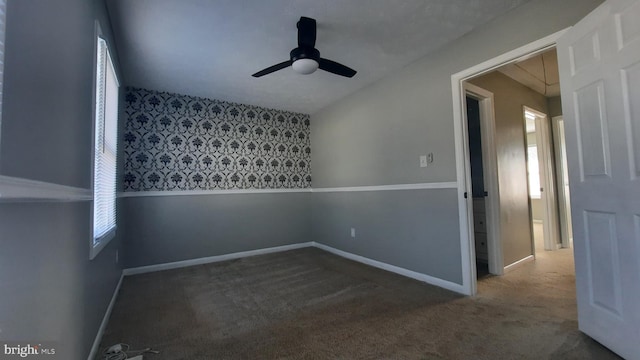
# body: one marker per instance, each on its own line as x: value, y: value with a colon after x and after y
x: 309, y: 304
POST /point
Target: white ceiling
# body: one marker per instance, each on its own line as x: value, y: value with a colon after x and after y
x: 210, y: 48
x: 539, y: 73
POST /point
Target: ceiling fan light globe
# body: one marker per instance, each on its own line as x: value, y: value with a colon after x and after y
x: 305, y: 66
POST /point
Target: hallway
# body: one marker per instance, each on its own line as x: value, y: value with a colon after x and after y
x: 540, y: 295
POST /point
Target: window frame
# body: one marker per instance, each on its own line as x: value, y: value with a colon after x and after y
x: 100, y: 242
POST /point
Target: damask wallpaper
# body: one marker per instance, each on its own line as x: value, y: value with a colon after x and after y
x: 177, y: 142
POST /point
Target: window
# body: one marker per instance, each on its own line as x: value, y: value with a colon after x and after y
x: 533, y: 166
x: 534, y: 172
x: 105, y: 150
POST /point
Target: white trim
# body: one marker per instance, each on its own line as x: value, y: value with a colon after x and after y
x: 395, y: 269
x: 417, y: 186
x: 19, y: 189
x: 105, y: 321
x: 98, y: 244
x: 564, y: 213
x: 212, y: 259
x: 490, y: 171
x: 537, y: 221
x: 463, y: 177
x: 540, y: 45
x: 393, y: 187
x: 518, y: 263
x: 361, y: 259
x: 127, y: 194
x: 469, y: 282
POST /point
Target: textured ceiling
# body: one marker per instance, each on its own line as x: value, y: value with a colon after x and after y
x: 539, y: 73
x: 210, y: 48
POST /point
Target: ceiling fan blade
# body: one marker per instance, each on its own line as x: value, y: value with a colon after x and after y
x: 273, y: 68
x: 306, y: 32
x: 336, y: 68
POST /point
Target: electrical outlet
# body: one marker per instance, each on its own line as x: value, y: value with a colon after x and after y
x: 353, y: 232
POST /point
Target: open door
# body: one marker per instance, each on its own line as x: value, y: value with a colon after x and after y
x: 599, y: 61
x: 546, y: 186
x: 562, y: 181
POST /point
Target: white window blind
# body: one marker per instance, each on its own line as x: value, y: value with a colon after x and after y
x: 106, y: 130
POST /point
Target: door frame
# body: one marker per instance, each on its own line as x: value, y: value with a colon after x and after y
x: 463, y: 169
x: 547, y: 179
x: 561, y: 167
x: 490, y: 174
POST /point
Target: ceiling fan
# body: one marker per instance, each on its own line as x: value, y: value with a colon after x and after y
x: 305, y: 59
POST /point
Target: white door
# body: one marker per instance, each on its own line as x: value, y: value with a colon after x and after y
x: 547, y: 185
x: 599, y: 61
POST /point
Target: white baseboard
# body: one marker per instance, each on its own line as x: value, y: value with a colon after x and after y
x: 518, y: 263
x: 212, y: 259
x: 395, y: 269
x: 105, y: 320
x: 361, y: 259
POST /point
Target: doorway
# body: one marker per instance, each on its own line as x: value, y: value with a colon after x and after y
x: 541, y: 168
x: 525, y: 158
x: 598, y: 64
x: 484, y: 191
x: 478, y: 191
x: 513, y: 232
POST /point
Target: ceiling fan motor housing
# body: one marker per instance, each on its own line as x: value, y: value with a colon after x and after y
x: 304, y: 53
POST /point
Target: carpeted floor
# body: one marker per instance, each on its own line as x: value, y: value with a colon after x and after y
x: 310, y: 304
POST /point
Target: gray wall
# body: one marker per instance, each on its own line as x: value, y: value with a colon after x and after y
x: 47, y: 95
x: 173, y: 228
x: 51, y: 291
x: 403, y: 228
x: 375, y: 136
x: 509, y: 99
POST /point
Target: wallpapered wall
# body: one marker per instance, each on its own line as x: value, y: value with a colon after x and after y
x: 177, y: 142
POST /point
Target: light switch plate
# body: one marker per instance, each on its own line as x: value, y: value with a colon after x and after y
x: 423, y: 161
